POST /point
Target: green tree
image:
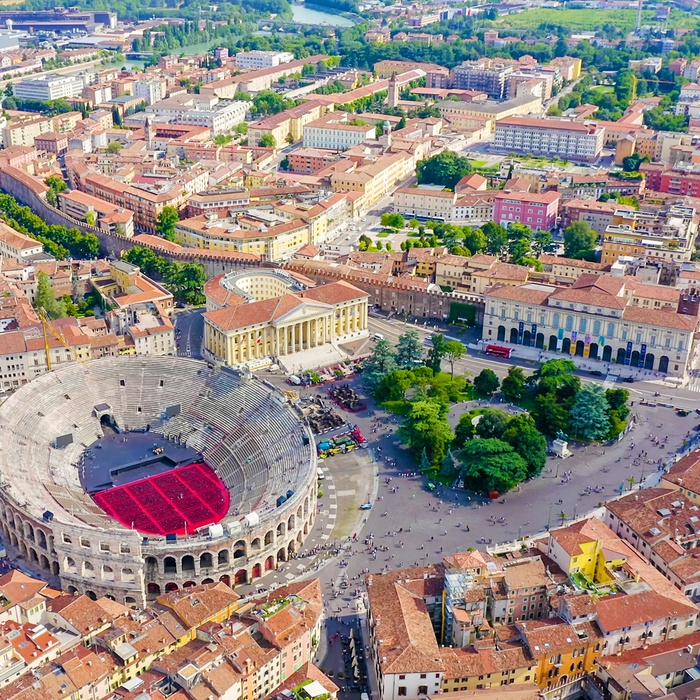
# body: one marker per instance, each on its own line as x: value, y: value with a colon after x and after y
x: 56, y: 183
x: 267, y: 141
x: 380, y: 363
x: 617, y: 401
x: 426, y: 428
x: 492, y: 424
x: 513, y: 384
x: 409, y: 349
x: 9, y: 91
x: 424, y: 463
x: 446, y: 169
x: 551, y: 417
x: 486, y: 382
x: 492, y: 465
x: 436, y: 353
x: 392, y: 220
x: 414, y: 224
x: 496, y: 237
x: 308, y: 69
x: 448, y: 469
x: 165, y: 222
x: 475, y: 240
x: 632, y: 163
x: 589, y: 417
x: 46, y: 297
x: 393, y: 386
x: 114, y: 147
x: 527, y: 441
x: 269, y: 102
x: 90, y: 218
x: 579, y: 240
x: 542, y: 243
x: 222, y: 139
x: 186, y: 281
x: 454, y: 350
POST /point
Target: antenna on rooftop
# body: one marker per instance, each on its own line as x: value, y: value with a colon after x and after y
x: 639, y: 17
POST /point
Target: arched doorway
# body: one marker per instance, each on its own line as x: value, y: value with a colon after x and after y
x: 269, y: 563
x: 206, y: 561
x: 189, y: 584
x: 501, y: 334
x: 153, y: 590
x: 634, y: 359
x: 281, y: 554
x: 222, y: 557
x: 663, y: 364
x: 566, y: 346
x: 170, y: 587
x: 256, y: 571
x: 579, y: 348
x: 607, y: 353
x: 207, y: 580
x: 290, y: 548
x: 620, y: 359
x: 241, y: 577
x: 552, y: 346
x: 649, y: 361
x: 225, y: 579
x: 527, y: 336
x: 188, y: 562
x: 539, y: 341
x: 593, y: 351
x: 514, y: 336
x: 91, y: 594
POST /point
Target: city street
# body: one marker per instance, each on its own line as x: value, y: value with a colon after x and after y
x: 189, y: 332
x: 414, y: 526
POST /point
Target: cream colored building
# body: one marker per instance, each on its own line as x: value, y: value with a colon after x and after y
x: 375, y: 180
x: 597, y: 317
x: 270, y: 313
x: 425, y: 202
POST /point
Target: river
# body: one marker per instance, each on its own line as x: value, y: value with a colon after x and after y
x: 305, y: 15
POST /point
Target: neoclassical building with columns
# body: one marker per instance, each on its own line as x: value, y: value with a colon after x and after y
x: 259, y: 313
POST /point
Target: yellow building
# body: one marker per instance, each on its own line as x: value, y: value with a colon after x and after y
x: 277, y: 242
x: 270, y: 313
x: 376, y: 180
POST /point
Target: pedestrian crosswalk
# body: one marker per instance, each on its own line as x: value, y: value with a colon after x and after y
x: 693, y: 387
x: 610, y: 380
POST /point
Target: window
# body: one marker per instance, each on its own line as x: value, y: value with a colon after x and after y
x: 555, y: 320
x: 569, y: 323
x: 402, y: 691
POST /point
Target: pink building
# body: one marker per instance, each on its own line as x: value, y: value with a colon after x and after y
x: 538, y: 211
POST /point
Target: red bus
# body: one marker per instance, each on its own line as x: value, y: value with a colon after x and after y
x: 499, y: 351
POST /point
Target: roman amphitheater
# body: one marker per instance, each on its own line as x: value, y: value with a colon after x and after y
x: 132, y: 476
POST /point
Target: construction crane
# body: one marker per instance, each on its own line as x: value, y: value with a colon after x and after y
x: 48, y: 328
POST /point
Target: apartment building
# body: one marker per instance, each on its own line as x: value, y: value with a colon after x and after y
x: 598, y: 215
x: 682, y: 179
x: 108, y: 217
x: 550, y: 137
x: 335, y: 131
x: 220, y: 116
x: 49, y: 87
x: 487, y: 75
x: 253, y: 60
x: 374, y: 180
x: 150, y: 91
x: 595, y: 317
x: 221, y: 202
x: 425, y: 203
x: 145, y: 201
x: 666, y: 236
x: 537, y: 211
x: 16, y: 245
x: 310, y: 161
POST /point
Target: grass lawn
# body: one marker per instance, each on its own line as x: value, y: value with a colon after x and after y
x: 589, y: 20
x: 602, y: 88
x: 478, y: 163
x: 383, y: 234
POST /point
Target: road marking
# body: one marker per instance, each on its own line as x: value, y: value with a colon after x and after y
x: 347, y: 492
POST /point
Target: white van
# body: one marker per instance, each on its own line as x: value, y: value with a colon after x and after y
x: 377, y: 336
x: 319, y: 474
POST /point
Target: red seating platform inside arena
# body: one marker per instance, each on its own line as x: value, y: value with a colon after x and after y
x: 176, y: 502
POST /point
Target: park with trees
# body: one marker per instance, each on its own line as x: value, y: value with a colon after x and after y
x: 488, y: 450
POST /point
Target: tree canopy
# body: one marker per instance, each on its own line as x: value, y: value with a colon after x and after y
x: 580, y: 240
x: 489, y: 464
x: 446, y: 169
